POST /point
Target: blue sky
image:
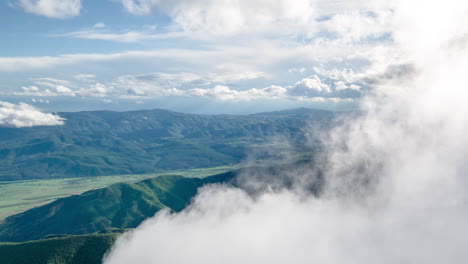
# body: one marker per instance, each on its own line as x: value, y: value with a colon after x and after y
x: 199, y: 56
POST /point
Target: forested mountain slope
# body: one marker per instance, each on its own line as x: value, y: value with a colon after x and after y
x: 108, y: 143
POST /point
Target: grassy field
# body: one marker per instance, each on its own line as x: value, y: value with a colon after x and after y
x: 19, y: 196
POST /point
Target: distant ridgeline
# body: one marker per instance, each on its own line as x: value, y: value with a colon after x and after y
x: 109, y: 143
x: 81, y: 228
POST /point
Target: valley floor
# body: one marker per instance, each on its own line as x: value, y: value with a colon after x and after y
x: 19, y: 196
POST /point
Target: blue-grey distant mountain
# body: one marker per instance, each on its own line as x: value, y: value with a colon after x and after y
x: 106, y: 142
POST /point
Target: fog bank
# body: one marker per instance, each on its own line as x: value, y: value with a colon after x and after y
x: 395, y: 177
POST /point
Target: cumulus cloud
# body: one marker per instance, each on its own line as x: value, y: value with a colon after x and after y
x: 160, y: 84
x: 52, y: 8
x: 395, y: 189
x: 223, y: 92
x: 347, y: 75
x: 217, y: 86
x: 311, y: 86
x: 47, y: 87
x: 221, y: 17
x: 84, y: 86
x: 352, y: 21
x: 24, y: 115
x: 212, y: 85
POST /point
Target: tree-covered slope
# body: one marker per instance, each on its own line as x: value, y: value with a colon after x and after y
x: 126, y: 205
x: 109, y: 143
x: 86, y: 249
x: 120, y: 205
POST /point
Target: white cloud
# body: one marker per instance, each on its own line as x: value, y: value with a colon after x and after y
x: 347, y: 75
x: 126, y: 37
x: 227, y: 17
x: 215, y: 86
x: 164, y: 84
x: 254, y: 57
x: 190, y: 84
x: 222, y: 92
x: 86, y: 87
x: 96, y: 90
x: 299, y: 70
x: 13, y: 64
x: 30, y: 89
x: 311, y: 86
x: 156, y: 84
x: 246, y: 19
x: 139, y: 7
x: 351, y: 21
x: 24, y: 115
x: 59, y: 87
x: 52, y: 8
x: 358, y: 26
x: 40, y: 100
x: 50, y: 82
x: 84, y: 77
x: 99, y: 25
x: 63, y: 89
x: 225, y: 93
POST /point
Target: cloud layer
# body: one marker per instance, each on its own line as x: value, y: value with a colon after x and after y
x: 186, y: 84
x: 237, y: 50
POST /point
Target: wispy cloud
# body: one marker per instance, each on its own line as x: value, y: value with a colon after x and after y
x: 138, y: 7
x: 52, y: 8
x: 125, y: 37
x: 99, y: 25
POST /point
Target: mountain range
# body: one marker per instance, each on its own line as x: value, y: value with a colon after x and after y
x: 101, y: 143
x: 82, y: 228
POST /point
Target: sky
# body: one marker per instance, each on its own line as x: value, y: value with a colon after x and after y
x: 197, y: 56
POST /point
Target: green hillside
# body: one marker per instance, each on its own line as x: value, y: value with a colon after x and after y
x: 113, y: 143
x: 86, y: 249
x: 82, y: 228
x: 126, y: 205
x: 121, y: 205
x: 19, y: 196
